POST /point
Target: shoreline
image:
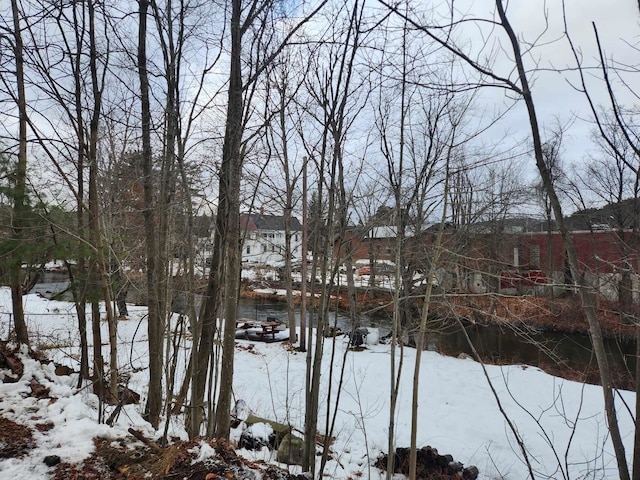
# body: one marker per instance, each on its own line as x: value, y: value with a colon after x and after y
x: 544, y: 314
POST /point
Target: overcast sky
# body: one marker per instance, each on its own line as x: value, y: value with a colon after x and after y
x: 617, y: 24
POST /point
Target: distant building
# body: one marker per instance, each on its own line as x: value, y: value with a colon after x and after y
x: 264, y: 239
x: 515, y: 260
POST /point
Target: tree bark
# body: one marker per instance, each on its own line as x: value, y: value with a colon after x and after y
x: 303, y: 270
x: 230, y: 173
x: 154, y: 320
x: 94, y: 211
x: 19, y: 188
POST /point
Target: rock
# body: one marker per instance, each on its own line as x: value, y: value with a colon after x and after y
x: 280, y: 429
x: 429, y: 464
x: 257, y: 436
x: 470, y: 473
x: 63, y: 370
x: 291, y: 450
x: 239, y: 413
x: 51, y: 460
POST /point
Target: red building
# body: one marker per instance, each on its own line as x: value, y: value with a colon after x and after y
x: 527, y: 262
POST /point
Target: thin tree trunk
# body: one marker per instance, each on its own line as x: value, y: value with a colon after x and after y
x: 154, y: 320
x: 19, y: 188
x: 422, y: 332
x: 80, y: 302
x: 94, y: 214
x: 230, y: 188
x: 98, y: 361
x: 79, y: 280
x: 314, y: 352
x: 210, y: 306
x: 303, y: 284
x: 586, y: 293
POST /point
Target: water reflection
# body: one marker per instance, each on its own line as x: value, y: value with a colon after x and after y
x: 507, y: 345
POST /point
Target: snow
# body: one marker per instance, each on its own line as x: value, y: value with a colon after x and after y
x: 205, y: 451
x: 561, y: 422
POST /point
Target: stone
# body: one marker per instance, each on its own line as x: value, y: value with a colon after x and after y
x: 280, y: 429
x: 257, y: 436
x: 239, y: 413
x: 470, y: 473
x: 52, y: 460
x: 291, y: 450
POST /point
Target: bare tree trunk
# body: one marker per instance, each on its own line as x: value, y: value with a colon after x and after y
x: 314, y: 355
x: 98, y: 361
x: 19, y: 188
x: 230, y: 188
x: 154, y: 319
x: 80, y: 302
x: 424, y: 316
x: 209, y: 311
x: 94, y: 214
x: 585, y: 291
x: 303, y: 284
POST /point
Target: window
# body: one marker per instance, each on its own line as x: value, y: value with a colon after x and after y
x: 248, y: 250
x: 273, y: 248
x: 296, y: 237
x: 534, y: 256
x: 264, y: 248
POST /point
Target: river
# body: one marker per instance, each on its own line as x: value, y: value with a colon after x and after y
x: 559, y: 353
x: 555, y: 352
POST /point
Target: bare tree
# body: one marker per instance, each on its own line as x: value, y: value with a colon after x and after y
x: 155, y: 319
x: 586, y: 292
x: 521, y: 88
x: 255, y: 19
x: 74, y: 87
x: 282, y: 86
x: 336, y: 95
x: 19, y: 188
x: 617, y: 133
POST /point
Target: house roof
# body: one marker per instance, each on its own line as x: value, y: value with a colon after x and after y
x: 255, y: 221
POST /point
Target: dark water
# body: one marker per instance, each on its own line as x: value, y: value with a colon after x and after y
x: 571, y: 352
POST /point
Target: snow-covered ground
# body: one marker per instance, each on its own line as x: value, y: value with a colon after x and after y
x: 561, y: 422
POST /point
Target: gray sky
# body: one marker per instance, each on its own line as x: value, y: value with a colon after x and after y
x: 552, y: 64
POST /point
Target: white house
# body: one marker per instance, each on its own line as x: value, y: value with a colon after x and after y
x: 264, y: 239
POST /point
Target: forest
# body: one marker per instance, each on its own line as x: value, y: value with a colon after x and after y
x: 124, y: 126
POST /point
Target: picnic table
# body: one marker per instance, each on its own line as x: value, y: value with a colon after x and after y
x: 259, y: 328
